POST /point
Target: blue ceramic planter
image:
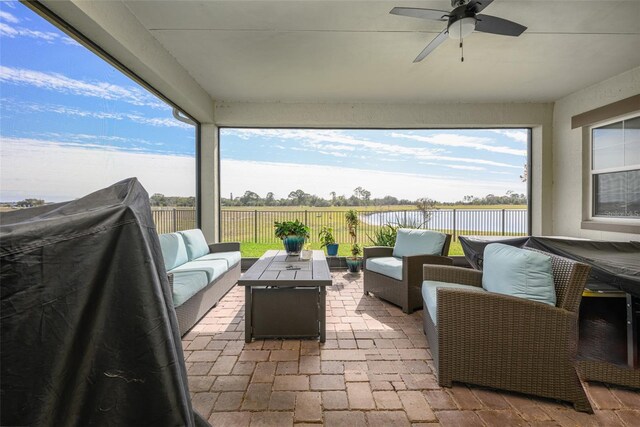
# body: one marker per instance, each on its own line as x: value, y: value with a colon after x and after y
x: 353, y: 265
x: 332, y: 249
x: 293, y: 244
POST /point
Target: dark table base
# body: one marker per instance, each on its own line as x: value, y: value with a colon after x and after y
x: 290, y: 312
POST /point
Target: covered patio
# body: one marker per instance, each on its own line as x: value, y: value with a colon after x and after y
x: 348, y: 65
x: 374, y: 369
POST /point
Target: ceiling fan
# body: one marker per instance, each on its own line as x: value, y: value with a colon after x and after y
x: 461, y: 22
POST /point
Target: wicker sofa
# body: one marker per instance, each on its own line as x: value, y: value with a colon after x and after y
x: 395, y: 274
x: 200, y: 274
x: 506, y: 342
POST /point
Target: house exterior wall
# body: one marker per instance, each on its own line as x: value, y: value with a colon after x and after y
x: 568, y: 163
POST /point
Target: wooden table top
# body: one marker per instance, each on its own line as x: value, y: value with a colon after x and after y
x: 276, y: 268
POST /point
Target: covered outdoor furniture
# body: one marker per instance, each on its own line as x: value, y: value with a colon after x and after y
x: 395, y: 274
x: 504, y: 341
x: 200, y: 274
x: 608, y: 345
x: 89, y: 335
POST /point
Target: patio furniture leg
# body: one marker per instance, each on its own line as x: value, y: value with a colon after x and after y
x: 247, y: 314
x: 323, y: 314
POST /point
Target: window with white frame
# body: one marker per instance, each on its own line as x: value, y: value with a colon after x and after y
x: 615, y: 169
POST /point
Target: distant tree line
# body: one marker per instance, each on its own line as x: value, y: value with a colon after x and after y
x: 362, y: 197
x: 511, y: 198
x: 30, y: 203
x: 161, y: 200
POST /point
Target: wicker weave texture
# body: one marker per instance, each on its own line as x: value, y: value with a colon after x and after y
x: 506, y: 342
x: 608, y: 373
x: 406, y: 292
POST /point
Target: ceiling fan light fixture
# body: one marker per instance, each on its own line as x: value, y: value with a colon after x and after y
x: 462, y: 27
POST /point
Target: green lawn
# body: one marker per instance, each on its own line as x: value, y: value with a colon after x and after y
x: 253, y: 226
x: 255, y: 250
x: 256, y: 225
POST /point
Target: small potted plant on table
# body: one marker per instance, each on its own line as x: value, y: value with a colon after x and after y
x: 293, y: 235
x: 328, y: 241
x: 354, y: 262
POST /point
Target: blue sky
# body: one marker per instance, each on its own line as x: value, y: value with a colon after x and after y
x: 442, y: 164
x: 70, y: 124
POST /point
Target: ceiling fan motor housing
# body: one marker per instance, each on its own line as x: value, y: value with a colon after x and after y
x: 462, y: 22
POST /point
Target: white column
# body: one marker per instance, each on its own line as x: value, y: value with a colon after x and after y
x: 541, y: 177
x: 209, y: 181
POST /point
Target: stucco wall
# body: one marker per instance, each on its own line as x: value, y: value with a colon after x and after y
x: 538, y: 116
x: 567, y: 200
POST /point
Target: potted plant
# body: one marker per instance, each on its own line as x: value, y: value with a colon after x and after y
x: 293, y: 235
x: 354, y: 262
x: 328, y: 241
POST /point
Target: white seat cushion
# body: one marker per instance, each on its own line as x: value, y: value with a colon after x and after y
x: 186, y: 284
x: 388, y: 266
x: 174, y: 251
x: 213, y: 268
x: 418, y: 242
x: 430, y: 295
x: 232, y: 257
x: 518, y: 272
x: 195, y: 243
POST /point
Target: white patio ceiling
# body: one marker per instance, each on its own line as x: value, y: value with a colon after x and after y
x: 355, y: 51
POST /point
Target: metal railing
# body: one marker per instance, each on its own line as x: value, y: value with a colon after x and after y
x: 169, y: 220
x: 257, y: 225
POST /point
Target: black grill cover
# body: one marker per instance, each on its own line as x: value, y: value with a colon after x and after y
x: 614, y: 263
x: 89, y: 333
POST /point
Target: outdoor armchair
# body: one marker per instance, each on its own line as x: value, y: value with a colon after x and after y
x: 395, y: 274
x: 503, y: 341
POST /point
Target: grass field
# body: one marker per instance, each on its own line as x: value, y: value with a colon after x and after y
x: 255, y: 250
x: 254, y: 227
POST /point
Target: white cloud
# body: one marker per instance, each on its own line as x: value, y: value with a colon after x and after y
x: 6, y: 16
x: 281, y: 178
x: 57, y: 171
x: 99, y: 140
x: 7, y: 30
x: 519, y: 135
x: 460, y: 167
x: 454, y: 140
x: 13, y: 32
x: 309, y: 136
x: 62, y: 84
x: 70, y: 41
x: 61, y: 109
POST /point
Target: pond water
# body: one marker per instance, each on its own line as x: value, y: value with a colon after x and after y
x: 460, y: 220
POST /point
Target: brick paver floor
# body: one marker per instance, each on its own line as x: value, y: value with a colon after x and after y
x: 375, y: 369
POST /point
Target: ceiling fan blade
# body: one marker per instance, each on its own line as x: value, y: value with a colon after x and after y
x: 414, y: 12
x: 495, y: 25
x: 437, y: 41
x: 477, y: 6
